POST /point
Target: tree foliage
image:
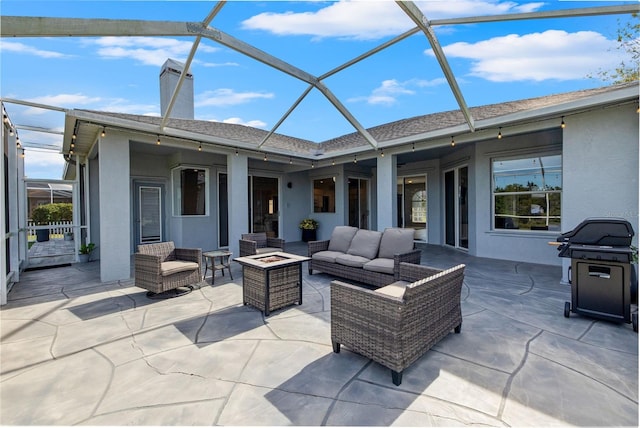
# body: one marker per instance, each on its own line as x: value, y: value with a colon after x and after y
x: 628, y: 38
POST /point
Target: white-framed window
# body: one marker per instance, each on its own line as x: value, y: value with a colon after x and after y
x: 190, y: 185
x: 527, y: 192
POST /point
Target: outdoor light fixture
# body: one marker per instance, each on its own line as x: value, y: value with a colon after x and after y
x: 74, y: 136
x: 312, y: 165
x: 355, y: 159
x: 5, y: 118
x: 236, y: 152
x: 11, y: 132
x: 381, y: 153
x: 413, y: 147
x: 104, y: 132
x: 72, y: 145
x: 562, y: 124
x: 200, y: 147
x: 290, y: 161
x: 333, y: 162
x: 265, y: 157
x: 453, y: 143
x: 158, y: 140
x: 500, y: 133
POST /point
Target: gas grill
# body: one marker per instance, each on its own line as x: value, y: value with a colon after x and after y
x: 600, y: 273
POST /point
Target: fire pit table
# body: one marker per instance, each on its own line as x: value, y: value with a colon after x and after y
x: 271, y: 281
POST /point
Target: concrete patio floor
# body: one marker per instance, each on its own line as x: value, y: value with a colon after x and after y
x: 76, y: 351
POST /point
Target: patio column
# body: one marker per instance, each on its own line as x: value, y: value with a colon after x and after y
x: 114, y: 243
x: 387, y: 191
x: 237, y: 185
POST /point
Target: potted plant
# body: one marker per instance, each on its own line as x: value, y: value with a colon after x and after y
x: 85, y: 252
x: 41, y: 216
x: 309, y: 227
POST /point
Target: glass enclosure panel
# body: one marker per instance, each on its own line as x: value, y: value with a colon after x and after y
x: 450, y: 209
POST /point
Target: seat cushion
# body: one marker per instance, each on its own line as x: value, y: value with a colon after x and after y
x: 365, y: 243
x: 326, y: 256
x: 395, y: 240
x: 267, y: 250
x: 341, y: 238
x: 351, y: 260
x: 395, y: 289
x: 175, y: 266
x: 380, y: 265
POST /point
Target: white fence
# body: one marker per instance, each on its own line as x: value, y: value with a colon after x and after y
x: 57, y: 228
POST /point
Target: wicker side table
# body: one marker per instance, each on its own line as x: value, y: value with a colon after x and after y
x: 271, y: 281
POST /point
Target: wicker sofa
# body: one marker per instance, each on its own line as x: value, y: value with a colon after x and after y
x: 366, y: 256
x: 396, y: 324
x: 161, y: 268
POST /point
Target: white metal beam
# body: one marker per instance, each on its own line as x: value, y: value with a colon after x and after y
x: 421, y: 21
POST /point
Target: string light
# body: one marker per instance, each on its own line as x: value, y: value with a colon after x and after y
x: 72, y: 145
x: 355, y: 159
x: 74, y: 136
x: 104, y: 132
x: 11, y: 132
x: 200, y: 147
x: 333, y: 162
x: 500, y: 133
x: 5, y: 118
x: 290, y: 160
x: 562, y: 124
x: 413, y: 147
x: 312, y: 165
x: 381, y: 153
x: 453, y: 143
x: 265, y: 157
x: 236, y: 152
x: 158, y: 140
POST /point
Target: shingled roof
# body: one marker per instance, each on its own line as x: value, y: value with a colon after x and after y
x: 227, y: 133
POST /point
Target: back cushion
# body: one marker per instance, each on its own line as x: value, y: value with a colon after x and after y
x: 395, y: 240
x: 365, y: 243
x: 341, y: 238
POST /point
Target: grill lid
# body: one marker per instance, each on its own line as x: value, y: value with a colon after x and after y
x: 608, y: 231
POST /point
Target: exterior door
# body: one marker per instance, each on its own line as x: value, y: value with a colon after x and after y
x: 412, y: 204
x: 359, y: 203
x: 456, y: 186
x: 149, y: 222
x: 263, y: 202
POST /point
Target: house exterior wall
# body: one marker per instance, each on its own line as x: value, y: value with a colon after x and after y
x: 114, y: 210
x: 600, y: 160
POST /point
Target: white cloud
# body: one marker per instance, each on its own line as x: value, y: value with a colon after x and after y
x: 553, y: 54
x: 147, y: 50
x: 239, y: 121
x: 21, y: 48
x: 370, y: 20
x: 227, y: 97
x: 390, y: 90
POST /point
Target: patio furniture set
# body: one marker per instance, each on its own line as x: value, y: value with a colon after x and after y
x: 397, y: 311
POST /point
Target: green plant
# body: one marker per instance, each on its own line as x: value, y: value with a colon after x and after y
x: 41, y: 215
x: 634, y: 254
x: 87, y: 248
x: 308, y: 223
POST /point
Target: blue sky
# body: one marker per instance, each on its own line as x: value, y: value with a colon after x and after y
x: 492, y: 62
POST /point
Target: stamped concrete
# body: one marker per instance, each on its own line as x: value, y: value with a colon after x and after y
x: 75, y: 351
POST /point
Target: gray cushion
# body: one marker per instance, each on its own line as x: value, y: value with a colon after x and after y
x: 341, y: 238
x: 365, y: 243
x: 171, y: 267
x: 395, y: 240
x: 326, y: 256
x: 350, y: 260
x: 395, y: 289
x: 380, y: 265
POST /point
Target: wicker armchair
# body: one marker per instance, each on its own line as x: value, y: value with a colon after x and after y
x: 395, y: 325
x: 161, y: 268
x: 258, y: 243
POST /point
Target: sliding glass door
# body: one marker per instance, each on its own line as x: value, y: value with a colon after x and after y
x: 412, y: 204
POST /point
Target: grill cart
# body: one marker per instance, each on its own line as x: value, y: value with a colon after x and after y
x: 600, y: 273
